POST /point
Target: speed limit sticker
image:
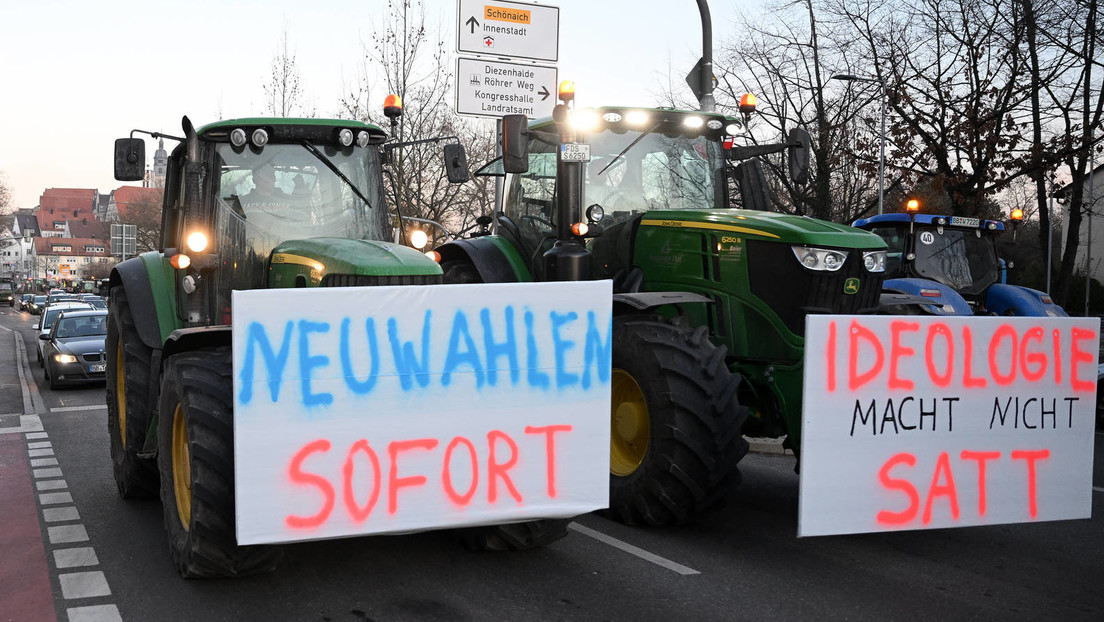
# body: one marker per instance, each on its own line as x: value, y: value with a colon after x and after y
x: 927, y: 237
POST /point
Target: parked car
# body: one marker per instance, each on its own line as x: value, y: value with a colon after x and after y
x: 74, y: 348
x: 36, y: 305
x: 49, y: 315
x: 24, y: 301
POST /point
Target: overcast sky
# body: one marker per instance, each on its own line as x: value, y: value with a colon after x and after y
x: 75, y: 75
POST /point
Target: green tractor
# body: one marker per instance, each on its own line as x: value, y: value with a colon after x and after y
x: 709, y: 301
x: 250, y: 203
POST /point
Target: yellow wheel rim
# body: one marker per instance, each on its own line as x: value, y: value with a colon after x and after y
x: 120, y: 393
x: 181, y: 469
x: 629, y: 424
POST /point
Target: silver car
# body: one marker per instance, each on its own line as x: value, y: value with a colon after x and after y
x: 46, y: 321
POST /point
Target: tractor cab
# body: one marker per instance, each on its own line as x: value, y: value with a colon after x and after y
x: 272, y: 202
x: 958, y: 252
x: 640, y: 161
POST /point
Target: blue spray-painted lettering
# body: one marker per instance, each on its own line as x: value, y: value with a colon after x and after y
x: 308, y: 362
x: 561, y: 346
x: 359, y: 387
x: 595, y: 353
x: 507, y: 348
x: 406, y: 363
x: 457, y: 357
x: 536, y: 377
x: 274, y: 362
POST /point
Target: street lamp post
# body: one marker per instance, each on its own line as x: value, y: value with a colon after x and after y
x: 846, y: 77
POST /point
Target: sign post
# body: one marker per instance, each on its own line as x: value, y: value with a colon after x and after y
x: 508, y: 29
x: 488, y: 88
x: 500, y: 32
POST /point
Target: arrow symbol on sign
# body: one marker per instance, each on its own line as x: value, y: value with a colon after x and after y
x: 472, y: 23
x: 543, y: 93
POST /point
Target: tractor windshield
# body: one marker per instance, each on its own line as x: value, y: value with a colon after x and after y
x: 965, y: 259
x: 630, y: 172
x: 287, y: 191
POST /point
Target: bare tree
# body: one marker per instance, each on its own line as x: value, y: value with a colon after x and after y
x: 410, y: 59
x: 6, y: 217
x: 285, y: 98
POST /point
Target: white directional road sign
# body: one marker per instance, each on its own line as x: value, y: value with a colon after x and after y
x: 508, y: 29
x: 491, y: 89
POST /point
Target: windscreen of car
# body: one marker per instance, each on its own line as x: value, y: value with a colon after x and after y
x: 960, y: 258
x: 88, y: 326
x: 38, y: 300
x: 52, y: 313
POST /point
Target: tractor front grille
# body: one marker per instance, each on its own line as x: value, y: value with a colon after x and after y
x: 793, y: 291
x: 362, y: 280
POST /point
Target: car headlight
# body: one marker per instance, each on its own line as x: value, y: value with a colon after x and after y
x: 874, y: 261
x: 65, y: 358
x: 822, y: 259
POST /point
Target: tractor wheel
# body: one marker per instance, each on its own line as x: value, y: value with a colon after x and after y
x: 195, y: 452
x: 514, y: 537
x: 675, y: 437
x: 461, y: 272
x: 128, y: 401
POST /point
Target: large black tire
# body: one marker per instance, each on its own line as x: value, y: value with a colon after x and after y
x: 675, y: 423
x: 514, y: 537
x: 129, y: 405
x: 195, y: 453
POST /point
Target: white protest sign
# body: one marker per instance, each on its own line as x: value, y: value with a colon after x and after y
x: 398, y: 409
x: 925, y: 422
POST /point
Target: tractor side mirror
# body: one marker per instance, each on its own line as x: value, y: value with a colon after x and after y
x: 456, y: 163
x: 800, y: 146
x: 515, y: 147
x: 130, y: 159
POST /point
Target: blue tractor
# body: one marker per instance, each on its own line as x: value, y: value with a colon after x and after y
x: 952, y: 262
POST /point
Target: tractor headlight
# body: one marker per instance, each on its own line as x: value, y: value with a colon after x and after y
x: 821, y: 259
x: 197, y: 241
x: 874, y: 261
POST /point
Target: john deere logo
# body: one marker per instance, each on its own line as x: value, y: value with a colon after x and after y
x: 851, y: 286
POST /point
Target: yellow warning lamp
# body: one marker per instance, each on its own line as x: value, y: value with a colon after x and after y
x: 567, y: 91
x: 1017, y: 215
x: 912, y: 206
x: 748, y: 103
x: 392, y: 107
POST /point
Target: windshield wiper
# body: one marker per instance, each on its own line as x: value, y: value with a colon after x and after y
x: 330, y: 165
x: 629, y: 146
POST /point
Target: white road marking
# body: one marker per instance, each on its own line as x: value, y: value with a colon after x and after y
x: 83, y: 584
x: 63, y: 409
x: 76, y: 557
x: 96, y: 613
x: 51, y: 484
x: 58, y: 515
x: 628, y: 548
x: 65, y: 534
x: 44, y: 473
x: 53, y: 498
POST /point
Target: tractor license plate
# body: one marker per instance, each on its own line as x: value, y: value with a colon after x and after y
x: 95, y: 369
x: 965, y: 221
x: 575, y: 152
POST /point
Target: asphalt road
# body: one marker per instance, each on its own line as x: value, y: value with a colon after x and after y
x: 107, y: 559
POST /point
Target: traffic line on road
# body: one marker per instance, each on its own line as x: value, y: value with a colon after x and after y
x: 64, y: 409
x: 632, y: 550
x: 75, y: 565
